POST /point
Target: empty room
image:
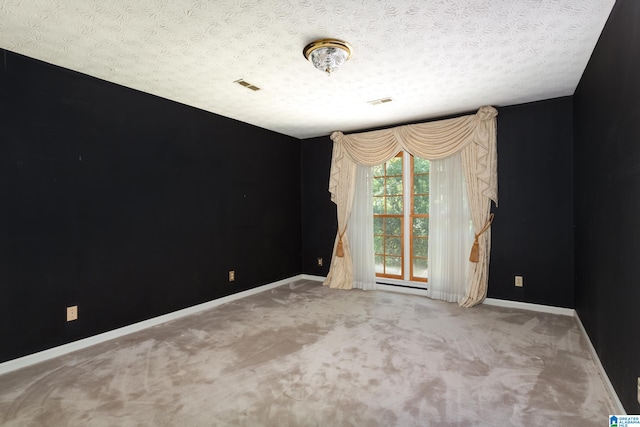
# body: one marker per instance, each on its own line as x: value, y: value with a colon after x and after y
x: 299, y: 213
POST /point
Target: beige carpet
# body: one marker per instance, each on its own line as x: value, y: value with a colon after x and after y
x: 306, y: 355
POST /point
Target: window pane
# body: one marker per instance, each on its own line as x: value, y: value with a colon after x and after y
x: 421, y: 184
x: 393, y: 226
x: 394, y: 186
x: 393, y: 246
x: 420, y: 227
x: 393, y: 265
x: 394, y: 205
x: 378, y: 205
x: 420, y: 246
x: 378, y: 244
x: 378, y: 224
x: 379, y: 264
x: 420, y: 267
x: 420, y: 165
x: 378, y: 186
x: 421, y: 204
x: 394, y: 166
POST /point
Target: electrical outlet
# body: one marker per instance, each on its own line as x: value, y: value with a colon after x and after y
x: 72, y: 313
x: 519, y: 282
x: 232, y: 275
x: 319, y: 262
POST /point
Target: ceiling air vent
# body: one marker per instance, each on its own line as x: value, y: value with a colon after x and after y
x: 247, y: 85
x: 379, y: 101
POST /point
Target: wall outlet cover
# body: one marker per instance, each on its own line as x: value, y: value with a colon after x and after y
x: 72, y: 313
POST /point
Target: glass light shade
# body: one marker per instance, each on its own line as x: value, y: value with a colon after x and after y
x: 327, y: 54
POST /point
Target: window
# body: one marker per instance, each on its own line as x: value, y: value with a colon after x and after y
x: 401, y: 224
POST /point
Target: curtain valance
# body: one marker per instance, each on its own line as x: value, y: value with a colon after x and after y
x: 432, y: 140
x: 474, y: 136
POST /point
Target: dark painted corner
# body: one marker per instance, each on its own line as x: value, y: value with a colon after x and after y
x: 319, y: 220
x: 607, y: 199
x: 532, y: 234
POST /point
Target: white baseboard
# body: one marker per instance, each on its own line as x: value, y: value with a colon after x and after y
x: 379, y: 287
x: 401, y: 289
x: 529, y: 306
x: 311, y: 277
x: 41, y: 356
x: 605, y: 378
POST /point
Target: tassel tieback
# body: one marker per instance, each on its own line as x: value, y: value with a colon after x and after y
x: 475, y: 249
x: 340, y: 248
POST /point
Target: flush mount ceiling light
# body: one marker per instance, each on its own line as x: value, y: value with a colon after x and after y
x: 328, y: 54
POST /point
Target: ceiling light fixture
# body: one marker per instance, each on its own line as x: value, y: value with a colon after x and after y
x: 328, y: 54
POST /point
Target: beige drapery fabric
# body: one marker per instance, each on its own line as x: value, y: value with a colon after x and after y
x: 473, y: 135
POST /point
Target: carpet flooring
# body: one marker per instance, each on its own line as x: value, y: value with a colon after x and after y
x: 306, y: 355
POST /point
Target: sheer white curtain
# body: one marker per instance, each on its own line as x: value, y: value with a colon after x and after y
x: 360, y: 231
x: 450, y: 230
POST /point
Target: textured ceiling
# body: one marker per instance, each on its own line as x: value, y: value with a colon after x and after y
x: 431, y: 57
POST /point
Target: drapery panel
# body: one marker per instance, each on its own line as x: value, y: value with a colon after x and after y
x: 450, y: 230
x: 474, y: 136
x: 360, y: 237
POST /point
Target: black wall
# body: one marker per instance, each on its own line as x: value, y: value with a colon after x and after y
x: 607, y: 202
x: 319, y: 216
x: 130, y: 206
x: 532, y: 234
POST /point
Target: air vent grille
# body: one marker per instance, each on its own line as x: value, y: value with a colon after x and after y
x: 247, y: 85
x: 380, y: 101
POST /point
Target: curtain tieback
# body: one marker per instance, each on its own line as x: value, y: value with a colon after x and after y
x: 340, y: 248
x: 475, y: 249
